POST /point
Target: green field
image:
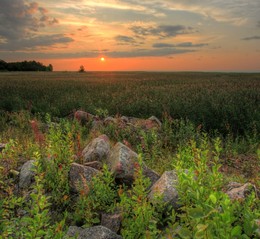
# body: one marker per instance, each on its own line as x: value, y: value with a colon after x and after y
x: 209, y: 135
x: 227, y: 102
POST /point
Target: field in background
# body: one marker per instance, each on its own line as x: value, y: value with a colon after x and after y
x: 226, y: 102
x: 208, y: 136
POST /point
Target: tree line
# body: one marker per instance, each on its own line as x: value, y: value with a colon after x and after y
x: 24, y: 66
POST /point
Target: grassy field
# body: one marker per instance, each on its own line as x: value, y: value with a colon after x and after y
x: 209, y: 136
x: 217, y: 101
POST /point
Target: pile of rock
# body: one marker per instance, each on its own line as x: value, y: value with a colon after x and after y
x: 121, y: 161
x: 124, y: 121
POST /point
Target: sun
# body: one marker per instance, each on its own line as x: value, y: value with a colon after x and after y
x: 102, y: 59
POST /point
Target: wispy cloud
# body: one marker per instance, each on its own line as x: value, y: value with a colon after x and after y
x: 183, y: 44
x: 161, y: 31
x: 251, y: 38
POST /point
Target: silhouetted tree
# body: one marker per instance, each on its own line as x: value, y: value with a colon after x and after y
x: 81, y: 69
x: 24, y: 66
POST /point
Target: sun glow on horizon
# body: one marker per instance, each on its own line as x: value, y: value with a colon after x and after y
x: 102, y: 59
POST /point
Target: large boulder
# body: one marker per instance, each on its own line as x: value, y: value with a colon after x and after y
x: 123, y: 161
x: 166, y: 188
x: 239, y: 191
x: 98, y: 232
x: 80, y: 177
x: 97, y: 150
x: 26, y: 176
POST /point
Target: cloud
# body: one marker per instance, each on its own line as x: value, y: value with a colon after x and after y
x: 21, y: 23
x: 161, y: 31
x: 163, y: 45
x: 93, y: 54
x: 125, y: 39
x: 251, y: 38
x: 184, y: 44
x: 35, y: 42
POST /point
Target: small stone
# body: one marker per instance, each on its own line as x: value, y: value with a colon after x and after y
x: 2, y: 146
x: 239, y: 191
x: 155, y: 120
x: 26, y: 175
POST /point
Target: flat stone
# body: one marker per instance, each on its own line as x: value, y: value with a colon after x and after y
x: 98, y: 232
x: 2, y: 146
x: 239, y: 191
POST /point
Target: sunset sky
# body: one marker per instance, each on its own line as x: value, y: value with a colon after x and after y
x: 152, y: 35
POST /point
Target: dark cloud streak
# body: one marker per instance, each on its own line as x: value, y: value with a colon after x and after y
x: 251, y: 38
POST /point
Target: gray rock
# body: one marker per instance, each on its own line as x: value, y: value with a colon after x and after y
x: 80, y: 176
x: 122, y: 163
x: 2, y: 146
x: 165, y: 187
x: 239, y: 191
x: 73, y: 232
x: 155, y: 120
x: 98, y: 232
x: 109, y: 120
x: 94, y: 164
x: 97, y: 150
x: 111, y: 221
x: 83, y: 117
x: 26, y: 175
x: 151, y: 174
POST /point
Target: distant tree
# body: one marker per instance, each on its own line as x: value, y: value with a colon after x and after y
x: 3, y: 65
x: 24, y: 66
x: 81, y: 69
x: 49, y: 67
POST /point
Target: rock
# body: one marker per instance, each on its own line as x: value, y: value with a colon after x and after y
x: 124, y: 119
x: 2, y: 146
x: 111, y: 221
x: 122, y: 163
x: 239, y: 191
x: 26, y: 175
x: 98, y: 232
x: 94, y: 164
x: 109, y: 120
x: 97, y: 150
x: 73, y: 232
x: 83, y: 117
x: 151, y: 174
x: 166, y: 188
x: 155, y: 120
x: 80, y: 176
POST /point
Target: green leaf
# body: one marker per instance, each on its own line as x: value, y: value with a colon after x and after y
x: 196, y: 212
x: 213, y: 198
x: 184, y: 233
x: 202, y: 227
x: 236, y: 231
